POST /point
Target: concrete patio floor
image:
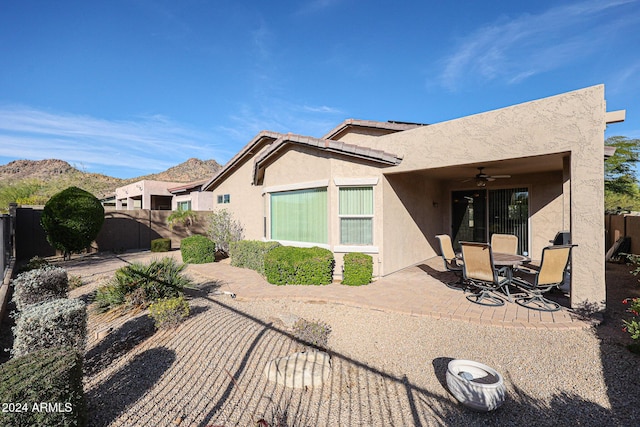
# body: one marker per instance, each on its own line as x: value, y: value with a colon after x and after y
x: 419, y: 290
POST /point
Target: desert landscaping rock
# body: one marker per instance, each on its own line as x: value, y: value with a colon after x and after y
x: 387, y: 368
x: 300, y: 370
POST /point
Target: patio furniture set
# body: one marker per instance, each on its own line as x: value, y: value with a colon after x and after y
x: 487, y: 271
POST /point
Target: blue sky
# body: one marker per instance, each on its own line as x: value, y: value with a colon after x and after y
x: 131, y: 87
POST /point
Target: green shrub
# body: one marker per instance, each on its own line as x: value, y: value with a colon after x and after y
x: 197, y: 250
x: 358, y: 269
x: 43, y: 284
x: 140, y: 284
x: 312, y: 334
x: 169, y: 312
x: 161, y: 245
x: 61, y: 322
x: 288, y: 265
x: 51, y: 376
x: 72, y: 219
x: 34, y: 263
x: 250, y: 254
x: 110, y: 296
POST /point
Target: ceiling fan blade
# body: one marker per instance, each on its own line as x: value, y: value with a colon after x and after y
x: 490, y: 178
x: 466, y: 180
x: 500, y: 176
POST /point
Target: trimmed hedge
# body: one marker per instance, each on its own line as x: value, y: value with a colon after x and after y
x: 40, y: 285
x: 51, y: 377
x: 288, y: 265
x: 250, y: 253
x: 161, y: 245
x: 358, y: 269
x: 61, y: 322
x: 197, y: 249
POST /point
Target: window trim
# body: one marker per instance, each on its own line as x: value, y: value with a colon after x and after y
x: 368, y: 216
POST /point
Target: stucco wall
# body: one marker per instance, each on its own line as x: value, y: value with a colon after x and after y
x: 200, y: 200
x: 247, y: 205
x: 413, y: 211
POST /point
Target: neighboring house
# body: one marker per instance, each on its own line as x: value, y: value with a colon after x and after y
x: 145, y: 194
x: 191, y: 197
x: 387, y: 189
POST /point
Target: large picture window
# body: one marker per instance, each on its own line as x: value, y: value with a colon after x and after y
x: 356, y: 215
x: 300, y: 216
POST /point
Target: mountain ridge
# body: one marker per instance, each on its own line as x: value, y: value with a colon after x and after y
x: 46, y: 177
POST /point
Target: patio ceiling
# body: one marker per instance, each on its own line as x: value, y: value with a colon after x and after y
x: 519, y: 166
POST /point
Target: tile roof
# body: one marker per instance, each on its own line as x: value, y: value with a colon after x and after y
x: 390, y: 126
x: 351, y: 150
x: 246, y: 150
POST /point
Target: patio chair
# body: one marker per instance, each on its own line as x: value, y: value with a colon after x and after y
x: 551, y: 274
x: 479, y: 271
x: 451, y: 262
x: 505, y: 243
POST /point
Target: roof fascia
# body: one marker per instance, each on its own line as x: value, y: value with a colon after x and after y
x: 390, y: 126
x: 243, y: 153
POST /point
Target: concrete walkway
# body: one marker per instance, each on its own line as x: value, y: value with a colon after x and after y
x: 417, y: 291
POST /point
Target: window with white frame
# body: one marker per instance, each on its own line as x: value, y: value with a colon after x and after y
x: 356, y: 215
x: 184, y: 205
x: 224, y: 198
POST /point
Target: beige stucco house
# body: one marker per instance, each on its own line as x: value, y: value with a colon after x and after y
x: 387, y: 189
x: 145, y: 194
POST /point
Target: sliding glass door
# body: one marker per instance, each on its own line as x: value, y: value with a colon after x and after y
x: 477, y: 214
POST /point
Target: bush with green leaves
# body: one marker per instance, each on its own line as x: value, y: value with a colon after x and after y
x: 34, y: 263
x: 358, y: 269
x: 224, y: 230
x: 250, y: 254
x: 140, y: 284
x: 161, y: 245
x: 72, y: 219
x: 48, y: 376
x: 60, y: 322
x: 43, y: 284
x: 169, y: 312
x: 197, y: 249
x: 312, y: 334
x: 288, y: 265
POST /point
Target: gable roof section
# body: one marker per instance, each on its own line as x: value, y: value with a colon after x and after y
x: 327, y: 145
x: 390, y: 126
x: 188, y: 187
x: 242, y: 154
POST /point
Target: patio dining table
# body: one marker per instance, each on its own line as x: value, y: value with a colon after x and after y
x: 512, y: 261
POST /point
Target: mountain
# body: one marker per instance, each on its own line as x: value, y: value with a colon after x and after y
x: 37, y: 180
x: 189, y: 171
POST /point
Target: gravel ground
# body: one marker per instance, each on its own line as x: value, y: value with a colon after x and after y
x: 387, y: 369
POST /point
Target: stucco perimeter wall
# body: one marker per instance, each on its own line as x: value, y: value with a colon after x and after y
x: 573, y: 122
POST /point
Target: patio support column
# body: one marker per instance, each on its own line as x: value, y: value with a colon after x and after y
x: 588, y: 287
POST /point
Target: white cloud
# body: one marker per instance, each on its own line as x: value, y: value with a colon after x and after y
x: 150, y: 144
x: 514, y: 50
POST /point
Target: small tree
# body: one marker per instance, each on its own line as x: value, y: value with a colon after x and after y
x: 72, y: 219
x: 186, y: 218
x: 223, y: 230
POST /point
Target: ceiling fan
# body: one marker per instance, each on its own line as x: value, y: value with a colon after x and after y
x: 482, y: 178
